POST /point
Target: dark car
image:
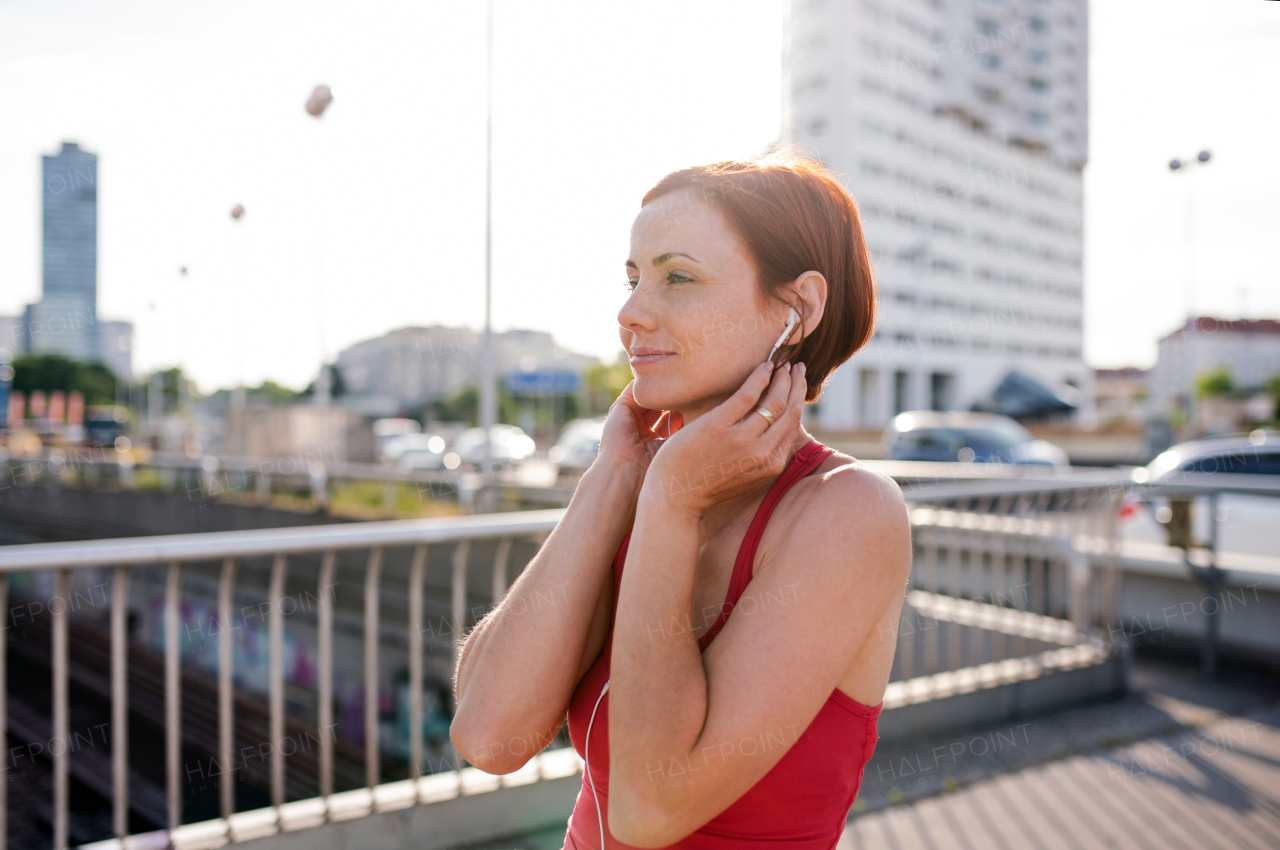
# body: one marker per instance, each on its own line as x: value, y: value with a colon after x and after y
x: 960, y: 437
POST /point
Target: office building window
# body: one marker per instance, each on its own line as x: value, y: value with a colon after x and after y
x: 867, y: 384
x: 901, y: 386
x: 940, y: 391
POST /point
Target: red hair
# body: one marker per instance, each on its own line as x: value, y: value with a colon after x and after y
x: 794, y: 216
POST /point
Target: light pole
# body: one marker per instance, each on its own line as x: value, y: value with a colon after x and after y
x: 237, y: 394
x: 1185, y: 166
x: 319, y: 101
x: 1190, y: 333
x: 488, y: 396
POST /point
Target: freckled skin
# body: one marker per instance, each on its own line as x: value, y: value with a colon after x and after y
x: 706, y: 307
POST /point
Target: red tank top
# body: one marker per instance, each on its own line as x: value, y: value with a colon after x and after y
x: 803, y: 802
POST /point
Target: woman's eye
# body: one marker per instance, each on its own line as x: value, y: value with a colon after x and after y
x: 677, y: 277
x: 631, y: 284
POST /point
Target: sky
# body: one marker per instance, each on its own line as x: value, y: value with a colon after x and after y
x: 372, y: 217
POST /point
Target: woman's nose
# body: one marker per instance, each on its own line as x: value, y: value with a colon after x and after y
x: 638, y: 312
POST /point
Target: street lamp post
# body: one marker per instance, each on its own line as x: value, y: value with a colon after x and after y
x: 1184, y: 166
x: 319, y: 101
x: 237, y: 394
x: 1191, y: 341
x: 488, y: 396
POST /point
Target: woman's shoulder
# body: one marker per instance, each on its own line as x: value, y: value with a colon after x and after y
x: 847, y: 525
x: 845, y: 501
x: 842, y: 482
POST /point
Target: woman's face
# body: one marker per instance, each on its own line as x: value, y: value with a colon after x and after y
x: 695, y: 324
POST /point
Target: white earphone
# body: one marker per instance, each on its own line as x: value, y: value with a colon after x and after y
x: 791, y: 323
x: 587, y: 758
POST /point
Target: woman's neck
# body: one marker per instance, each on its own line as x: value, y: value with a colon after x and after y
x: 724, y: 511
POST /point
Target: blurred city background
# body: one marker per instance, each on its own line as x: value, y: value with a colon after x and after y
x: 266, y: 267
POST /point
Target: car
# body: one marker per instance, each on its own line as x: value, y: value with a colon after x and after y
x: 417, y: 451
x: 508, y: 445
x: 387, y: 432
x: 1255, y: 454
x: 962, y: 437
x: 579, y: 444
x: 1246, y: 523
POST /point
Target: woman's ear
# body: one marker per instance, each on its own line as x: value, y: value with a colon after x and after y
x: 810, y: 293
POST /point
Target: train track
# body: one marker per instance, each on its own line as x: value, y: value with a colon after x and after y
x: 89, y: 666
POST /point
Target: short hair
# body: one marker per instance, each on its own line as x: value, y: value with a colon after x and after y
x: 794, y: 216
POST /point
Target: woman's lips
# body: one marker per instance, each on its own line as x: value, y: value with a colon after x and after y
x: 643, y: 359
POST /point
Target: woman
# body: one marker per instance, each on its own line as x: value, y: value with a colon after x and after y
x: 716, y: 611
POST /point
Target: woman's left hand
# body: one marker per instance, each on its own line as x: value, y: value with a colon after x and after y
x: 732, y: 448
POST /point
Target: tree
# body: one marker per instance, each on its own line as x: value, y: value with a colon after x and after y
x: 337, y: 387
x: 605, y: 382
x: 271, y: 393
x: 49, y: 372
x: 1216, y: 383
x: 464, y: 406
x: 1273, y: 389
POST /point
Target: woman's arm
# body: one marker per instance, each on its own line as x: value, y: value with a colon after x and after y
x: 519, y: 666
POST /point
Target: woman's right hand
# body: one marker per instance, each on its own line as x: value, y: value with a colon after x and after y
x: 633, y: 434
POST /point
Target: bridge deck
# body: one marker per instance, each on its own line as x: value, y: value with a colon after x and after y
x: 1180, y: 763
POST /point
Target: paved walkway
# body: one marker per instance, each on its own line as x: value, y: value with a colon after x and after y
x: 1180, y: 763
x: 1177, y: 763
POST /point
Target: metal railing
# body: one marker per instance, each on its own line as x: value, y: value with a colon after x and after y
x: 214, y: 475
x: 1188, y: 487
x: 1031, y: 563
x: 209, y: 475
x: 1009, y: 579
x: 174, y: 551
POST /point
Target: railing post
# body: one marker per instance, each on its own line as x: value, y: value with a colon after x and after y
x: 389, y: 498
x: 319, y: 485
x: 4, y: 711
x: 500, y: 570
x: 416, y: 571
x: 458, y: 591
x: 325, y: 662
x: 120, y: 700
x: 226, y: 701
x: 929, y: 537
x: 1213, y: 588
x: 173, y: 695
x: 458, y: 594
x: 371, y: 761
x: 275, y: 681
x: 1076, y: 565
x: 1111, y: 573
x: 60, y: 764
x: 907, y: 636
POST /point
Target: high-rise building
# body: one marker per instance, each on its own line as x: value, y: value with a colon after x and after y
x: 961, y: 130
x: 65, y: 320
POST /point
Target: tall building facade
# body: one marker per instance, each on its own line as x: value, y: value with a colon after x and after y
x: 65, y: 320
x: 961, y: 129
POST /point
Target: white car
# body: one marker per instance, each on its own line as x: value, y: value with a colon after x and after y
x: 507, y: 444
x: 579, y: 444
x: 1246, y: 523
x: 417, y: 451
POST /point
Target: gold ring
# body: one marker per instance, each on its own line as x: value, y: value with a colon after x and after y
x: 766, y: 414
